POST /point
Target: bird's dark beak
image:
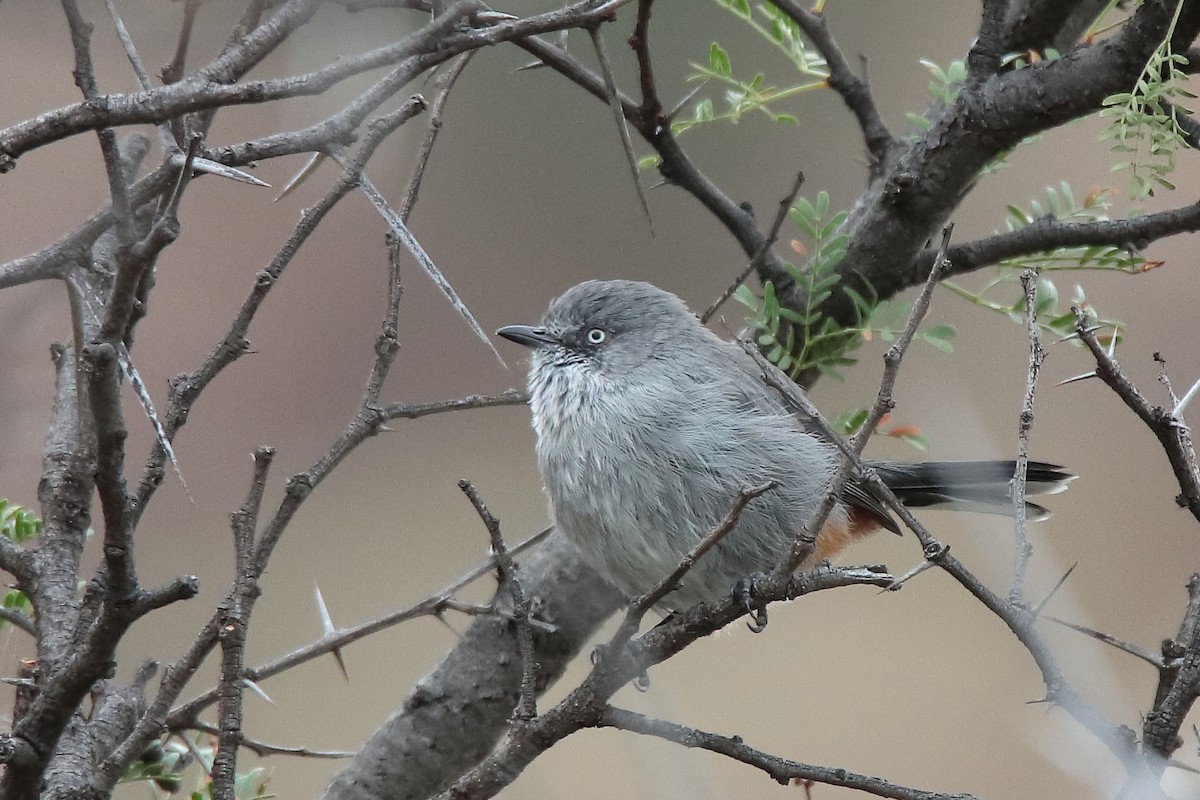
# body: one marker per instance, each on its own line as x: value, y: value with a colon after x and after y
x: 527, y: 335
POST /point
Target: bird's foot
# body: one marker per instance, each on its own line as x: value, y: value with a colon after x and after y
x: 743, y: 595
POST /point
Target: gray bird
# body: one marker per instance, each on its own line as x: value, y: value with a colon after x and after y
x: 649, y: 425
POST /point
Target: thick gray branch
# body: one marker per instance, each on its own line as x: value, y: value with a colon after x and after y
x: 454, y: 715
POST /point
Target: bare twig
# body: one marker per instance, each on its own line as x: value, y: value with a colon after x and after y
x: 509, y: 397
x: 1047, y: 233
x: 19, y: 620
x: 785, y: 205
x: 780, y: 770
x: 854, y: 91
x: 805, y: 542
x: 170, y: 208
x: 85, y: 79
x: 1164, y: 377
x: 921, y: 566
x: 647, y: 117
x: 173, y: 71
x: 444, y: 83
x: 1023, y: 547
x: 614, y: 102
x: 1172, y: 434
x: 234, y: 622
x: 640, y: 42
x: 387, y: 343
x: 186, y: 714
x: 131, y: 53
x: 184, y: 587
x: 526, y: 708
x: 265, y: 749
x: 895, y: 354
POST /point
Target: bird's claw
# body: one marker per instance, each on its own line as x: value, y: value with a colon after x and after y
x: 743, y: 595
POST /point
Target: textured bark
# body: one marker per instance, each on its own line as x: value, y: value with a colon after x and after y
x: 453, y: 716
x: 916, y: 193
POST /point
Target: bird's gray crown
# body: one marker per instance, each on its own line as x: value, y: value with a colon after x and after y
x: 617, y: 307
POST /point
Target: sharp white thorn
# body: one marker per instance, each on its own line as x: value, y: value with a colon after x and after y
x: 217, y: 168
x: 254, y: 687
x: 309, y: 168
x: 1085, y: 376
x: 1186, y: 399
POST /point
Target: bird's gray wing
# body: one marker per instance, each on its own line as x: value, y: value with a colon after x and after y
x: 757, y: 394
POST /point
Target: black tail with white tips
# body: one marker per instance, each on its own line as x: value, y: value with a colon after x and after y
x: 979, y: 486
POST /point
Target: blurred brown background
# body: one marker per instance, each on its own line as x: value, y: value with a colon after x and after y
x: 527, y: 193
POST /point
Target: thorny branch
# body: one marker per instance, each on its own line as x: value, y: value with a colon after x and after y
x: 186, y: 715
x: 886, y: 252
x: 299, y: 486
x: 585, y: 705
x: 1179, y: 668
x: 888, y: 229
x: 526, y: 708
x: 1046, y: 234
x: 1013, y: 612
x: 132, y: 234
x: 207, y: 89
x: 233, y: 624
x: 1170, y: 430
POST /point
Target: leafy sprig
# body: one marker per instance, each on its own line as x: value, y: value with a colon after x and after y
x: 1059, y: 202
x: 944, y: 86
x: 803, y: 339
x: 1051, y: 316
x: 742, y: 97
x: 754, y: 95
x: 782, y: 32
x: 18, y: 525
x: 164, y: 765
x: 1145, y: 120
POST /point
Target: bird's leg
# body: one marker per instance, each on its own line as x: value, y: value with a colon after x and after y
x: 743, y: 595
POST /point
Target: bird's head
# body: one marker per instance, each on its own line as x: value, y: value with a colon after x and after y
x: 606, y: 327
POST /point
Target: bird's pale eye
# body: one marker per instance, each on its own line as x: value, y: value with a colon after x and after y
x: 596, y: 335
